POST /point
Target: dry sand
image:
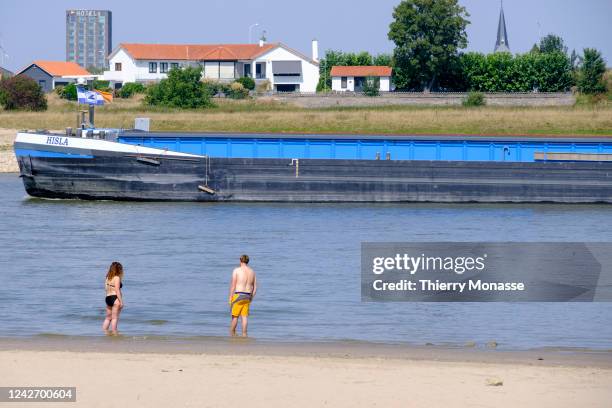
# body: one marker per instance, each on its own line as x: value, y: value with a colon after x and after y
x: 8, y: 162
x: 258, y: 378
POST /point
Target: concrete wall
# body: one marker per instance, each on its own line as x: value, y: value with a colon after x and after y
x: 435, y: 99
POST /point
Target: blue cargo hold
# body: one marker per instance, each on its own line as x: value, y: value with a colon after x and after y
x: 367, y: 147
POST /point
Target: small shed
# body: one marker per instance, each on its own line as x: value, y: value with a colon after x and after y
x: 352, y: 77
x: 50, y: 74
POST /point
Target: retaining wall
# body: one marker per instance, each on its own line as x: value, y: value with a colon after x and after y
x: 424, y: 99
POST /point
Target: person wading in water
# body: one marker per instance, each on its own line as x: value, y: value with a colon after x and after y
x: 114, y: 297
x: 242, y: 291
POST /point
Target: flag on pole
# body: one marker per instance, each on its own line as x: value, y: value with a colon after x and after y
x: 89, y: 97
x: 107, y: 96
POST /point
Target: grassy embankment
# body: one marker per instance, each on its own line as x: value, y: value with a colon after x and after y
x: 270, y: 116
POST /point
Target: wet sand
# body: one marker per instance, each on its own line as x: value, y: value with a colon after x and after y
x: 216, y: 372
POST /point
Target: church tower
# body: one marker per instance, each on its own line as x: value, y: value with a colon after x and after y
x: 502, y: 45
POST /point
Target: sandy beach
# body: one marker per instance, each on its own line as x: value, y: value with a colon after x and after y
x: 342, y: 375
x: 8, y: 162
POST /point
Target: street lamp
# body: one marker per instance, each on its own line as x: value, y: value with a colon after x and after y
x: 251, y: 28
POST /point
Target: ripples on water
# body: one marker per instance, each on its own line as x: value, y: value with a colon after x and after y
x: 178, y: 258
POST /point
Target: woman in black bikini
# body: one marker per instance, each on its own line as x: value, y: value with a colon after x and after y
x: 114, y: 297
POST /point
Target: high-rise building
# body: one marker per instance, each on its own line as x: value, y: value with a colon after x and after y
x: 88, y: 37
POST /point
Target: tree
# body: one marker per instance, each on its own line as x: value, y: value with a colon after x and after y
x: 383, y: 60
x: 552, y: 43
x: 182, y: 89
x: 427, y: 35
x: 590, y: 79
x: 22, y: 92
x: 371, y: 86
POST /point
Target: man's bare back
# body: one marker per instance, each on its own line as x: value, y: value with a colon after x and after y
x: 245, y: 279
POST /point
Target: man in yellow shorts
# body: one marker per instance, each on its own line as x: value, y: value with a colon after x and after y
x: 241, y: 294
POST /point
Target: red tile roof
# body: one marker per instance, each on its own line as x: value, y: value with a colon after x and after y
x: 61, y: 68
x: 361, y: 71
x: 212, y: 52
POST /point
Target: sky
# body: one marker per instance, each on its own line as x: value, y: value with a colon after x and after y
x: 35, y: 29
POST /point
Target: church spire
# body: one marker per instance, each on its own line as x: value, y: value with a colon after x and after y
x: 502, y: 45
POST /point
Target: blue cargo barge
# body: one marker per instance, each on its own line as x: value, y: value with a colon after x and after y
x: 367, y: 147
x: 139, y: 165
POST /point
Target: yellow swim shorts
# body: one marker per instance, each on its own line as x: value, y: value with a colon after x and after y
x: 240, y: 305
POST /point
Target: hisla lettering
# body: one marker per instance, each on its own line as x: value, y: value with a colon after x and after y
x: 57, y: 140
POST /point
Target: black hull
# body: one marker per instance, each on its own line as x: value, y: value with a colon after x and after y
x: 171, y: 179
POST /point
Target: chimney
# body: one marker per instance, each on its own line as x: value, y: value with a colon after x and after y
x: 262, y: 39
x: 315, y: 50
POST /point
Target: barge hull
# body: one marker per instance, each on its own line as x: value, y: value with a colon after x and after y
x: 121, y: 177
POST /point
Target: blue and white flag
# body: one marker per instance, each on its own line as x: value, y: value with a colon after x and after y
x: 89, y: 97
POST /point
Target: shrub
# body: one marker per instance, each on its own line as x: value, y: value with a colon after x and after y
x: 238, y: 91
x: 474, y: 99
x: 371, y: 86
x: 130, y: 88
x: 247, y: 82
x: 21, y: 92
x: 263, y: 86
x: 182, y: 89
x: 68, y: 92
x: 591, y: 76
x: 216, y: 88
x: 503, y: 72
x: 102, y: 85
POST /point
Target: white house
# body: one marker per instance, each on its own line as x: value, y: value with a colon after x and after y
x: 286, y: 69
x: 351, y: 78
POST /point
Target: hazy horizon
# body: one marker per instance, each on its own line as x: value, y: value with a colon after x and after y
x: 338, y: 25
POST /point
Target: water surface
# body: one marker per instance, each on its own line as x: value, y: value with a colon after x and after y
x: 178, y: 258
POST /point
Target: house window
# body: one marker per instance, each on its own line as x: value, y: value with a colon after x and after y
x: 163, y: 67
x: 343, y: 82
x: 152, y: 67
x: 42, y: 83
x: 247, y: 70
x: 174, y: 65
x: 117, y: 66
x: 260, y: 71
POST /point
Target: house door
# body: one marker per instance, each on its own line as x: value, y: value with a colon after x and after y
x: 359, y: 84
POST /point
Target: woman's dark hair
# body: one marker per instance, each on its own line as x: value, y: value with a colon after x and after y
x: 115, y: 269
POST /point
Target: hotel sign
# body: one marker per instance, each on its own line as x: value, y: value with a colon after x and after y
x: 86, y: 13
